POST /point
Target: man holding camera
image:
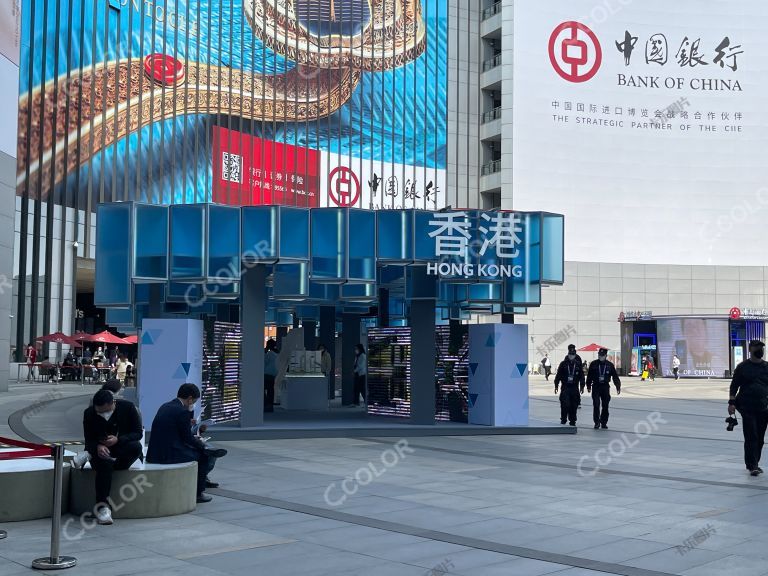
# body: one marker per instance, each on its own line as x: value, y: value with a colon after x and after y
x: 749, y: 395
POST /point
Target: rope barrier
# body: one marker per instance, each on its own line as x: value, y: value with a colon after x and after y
x: 53, y: 561
x: 31, y: 450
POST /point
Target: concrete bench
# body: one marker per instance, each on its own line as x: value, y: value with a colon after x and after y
x: 26, y: 486
x: 142, y: 491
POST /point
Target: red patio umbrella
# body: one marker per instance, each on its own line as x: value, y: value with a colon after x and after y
x: 105, y: 337
x: 59, y: 338
x: 132, y: 339
x: 592, y: 348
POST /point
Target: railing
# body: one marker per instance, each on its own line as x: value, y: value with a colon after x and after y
x: 491, y: 168
x: 492, y: 115
x: 492, y: 10
x: 492, y: 63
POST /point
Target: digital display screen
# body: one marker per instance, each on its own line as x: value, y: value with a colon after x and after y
x: 248, y: 102
x: 389, y: 372
x: 222, y: 345
x: 701, y: 344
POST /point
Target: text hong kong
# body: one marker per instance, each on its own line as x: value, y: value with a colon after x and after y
x: 454, y: 240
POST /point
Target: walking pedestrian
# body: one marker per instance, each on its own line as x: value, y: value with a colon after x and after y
x: 31, y: 355
x: 676, y: 367
x: 570, y: 374
x: 270, y: 373
x: 360, y: 372
x: 749, y: 395
x: 651, y: 369
x: 326, y: 367
x: 546, y: 365
x: 599, y: 376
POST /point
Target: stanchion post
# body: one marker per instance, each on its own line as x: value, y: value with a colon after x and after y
x: 54, y: 561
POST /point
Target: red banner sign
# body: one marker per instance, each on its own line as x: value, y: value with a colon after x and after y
x: 249, y: 171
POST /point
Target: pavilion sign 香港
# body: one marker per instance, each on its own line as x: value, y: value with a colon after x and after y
x: 459, y: 247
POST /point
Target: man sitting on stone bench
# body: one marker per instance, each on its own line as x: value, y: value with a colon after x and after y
x: 172, y: 441
x: 113, y: 431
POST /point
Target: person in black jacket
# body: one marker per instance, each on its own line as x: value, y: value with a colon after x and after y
x: 749, y: 395
x: 570, y: 374
x: 599, y: 376
x: 171, y: 440
x: 113, y: 431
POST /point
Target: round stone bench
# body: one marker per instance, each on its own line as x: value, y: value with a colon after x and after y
x: 148, y: 491
x: 27, y: 488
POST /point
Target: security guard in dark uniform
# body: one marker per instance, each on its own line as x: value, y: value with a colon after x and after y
x: 599, y: 376
x: 571, y: 374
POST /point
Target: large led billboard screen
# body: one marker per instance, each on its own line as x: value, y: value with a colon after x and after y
x: 701, y: 344
x: 645, y: 124
x: 235, y: 101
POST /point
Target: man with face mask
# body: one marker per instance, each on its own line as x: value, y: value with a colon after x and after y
x: 749, y: 395
x: 599, y: 375
x: 571, y: 374
x: 172, y: 441
x: 112, y: 431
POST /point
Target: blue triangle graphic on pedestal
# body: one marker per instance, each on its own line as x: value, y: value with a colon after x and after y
x: 522, y: 367
x: 472, y: 399
x: 181, y: 372
x: 186, y: 366
x: 150, y: 336
x: 493, y: 340
x: 473, y: 367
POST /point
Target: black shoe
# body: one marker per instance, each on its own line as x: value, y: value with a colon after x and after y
x: 573, y: 423
x: 604, y: 426
x: 203, y: 497
x: 597, y: 426
x: 209, y: 484
x: 216, y: 452
x: 755, y: 472
x: 759, y: 470
x: 562, y: 421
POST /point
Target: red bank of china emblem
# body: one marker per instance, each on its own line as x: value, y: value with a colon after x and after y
x: 735, y: 313
x: 343, y: 187
x: 575, y: 52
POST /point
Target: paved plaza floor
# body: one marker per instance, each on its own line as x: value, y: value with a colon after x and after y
x: 663, y: 491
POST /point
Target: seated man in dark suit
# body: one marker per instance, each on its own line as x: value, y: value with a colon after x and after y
x: 172, y: 442
x: 70, y: 369
x: 112, y: 430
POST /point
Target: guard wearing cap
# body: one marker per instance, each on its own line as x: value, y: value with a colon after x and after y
x: 749, y: 395
x: 599, y: 376
x: 570, y: 374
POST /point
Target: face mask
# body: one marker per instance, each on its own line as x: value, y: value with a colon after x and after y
x: 602, y: 358
x: 759, y: 353
x: 191, y: 407
x: 571, y: 356
x: 107, y: 415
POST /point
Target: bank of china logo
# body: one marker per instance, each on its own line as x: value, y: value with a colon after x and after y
x: 575, y: 52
